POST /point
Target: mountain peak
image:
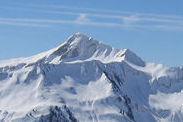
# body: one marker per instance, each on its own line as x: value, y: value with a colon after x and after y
x: 67, y: 84
x: 81, y: 47
x: 133, y: 58
x: 77, y: 45
x: 80, y: 39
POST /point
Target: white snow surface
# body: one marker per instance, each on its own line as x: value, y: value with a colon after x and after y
x: 91, y: 82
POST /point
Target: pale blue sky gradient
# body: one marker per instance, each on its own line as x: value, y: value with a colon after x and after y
x: 152, y: 29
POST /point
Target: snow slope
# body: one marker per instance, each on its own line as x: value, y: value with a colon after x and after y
x: 84, y: 80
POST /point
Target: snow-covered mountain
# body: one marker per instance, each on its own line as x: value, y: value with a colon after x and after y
x: 83, y: 80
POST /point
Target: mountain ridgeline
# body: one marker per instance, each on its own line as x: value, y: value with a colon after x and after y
x: 84, y: 80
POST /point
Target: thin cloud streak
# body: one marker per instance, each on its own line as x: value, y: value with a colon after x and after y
x: 37, y: 22
x: 129, y: 20
x: 11, y: 23
x: 109, y: 11
x: 142, y: 16
x: 52, y: 21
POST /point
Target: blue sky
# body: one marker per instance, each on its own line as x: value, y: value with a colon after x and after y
x: 152, y: 29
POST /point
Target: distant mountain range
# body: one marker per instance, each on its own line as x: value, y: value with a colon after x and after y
x: 84, y: 80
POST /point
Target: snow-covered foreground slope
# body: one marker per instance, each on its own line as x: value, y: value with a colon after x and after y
x: 84, y: 80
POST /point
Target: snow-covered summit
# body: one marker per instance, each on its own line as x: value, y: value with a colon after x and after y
x: 133, y: 58
x: 81, y: 40
x: 77, y: 45
x: 81, y: 47
x: 83, y: 80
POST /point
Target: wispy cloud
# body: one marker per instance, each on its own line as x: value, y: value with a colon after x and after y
x: 128, y: 20
x: 108, y: 11
x: 78, y: 21
x: 23, y: 24
x: 82, y: 18
x: 130, y: 17
x: 47, y: 22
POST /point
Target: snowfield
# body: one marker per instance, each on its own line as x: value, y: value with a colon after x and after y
x: 84, y: 80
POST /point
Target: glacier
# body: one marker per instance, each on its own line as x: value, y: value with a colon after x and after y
x: 84, y: 80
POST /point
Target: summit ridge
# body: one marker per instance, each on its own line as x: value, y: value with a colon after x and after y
x: 84, y: 80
